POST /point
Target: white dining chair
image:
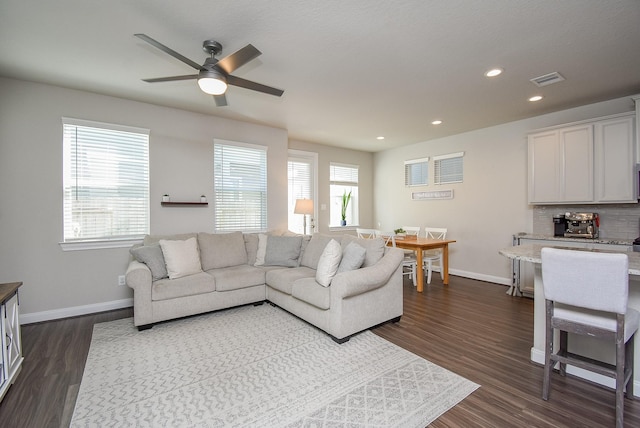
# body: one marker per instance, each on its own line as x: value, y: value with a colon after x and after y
x: 409, y: 261
x: 430, y: 257
x: 412, y: 230
x: 587, y: 293
x: 366, y: 233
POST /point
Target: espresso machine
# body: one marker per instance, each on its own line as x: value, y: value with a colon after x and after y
x: 582, y: 225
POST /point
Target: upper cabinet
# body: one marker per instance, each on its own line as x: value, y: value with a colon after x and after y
x: 583, y: 163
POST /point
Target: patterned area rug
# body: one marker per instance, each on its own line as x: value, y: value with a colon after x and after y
x: 259, y: 367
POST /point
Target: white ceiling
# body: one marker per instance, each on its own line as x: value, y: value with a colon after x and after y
x: 351, y: 69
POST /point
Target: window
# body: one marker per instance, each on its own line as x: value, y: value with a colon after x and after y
x: 448, y: 168
x: 301, y: 179
x: 240, y: 186
x: 105, y: 181
x: 416, y: 172
x: 342, y: 180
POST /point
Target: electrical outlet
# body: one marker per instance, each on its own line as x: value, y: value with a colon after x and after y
x: 121, y: 280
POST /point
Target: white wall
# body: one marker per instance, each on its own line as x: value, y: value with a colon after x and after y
x: 490, y: 205
x: 58, y: 283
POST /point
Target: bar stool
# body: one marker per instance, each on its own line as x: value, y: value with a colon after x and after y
x: 586, y: 293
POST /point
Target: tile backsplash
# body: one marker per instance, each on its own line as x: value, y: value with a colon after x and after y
x: 617, y: 221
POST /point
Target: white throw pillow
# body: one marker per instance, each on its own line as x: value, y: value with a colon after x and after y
x: 328, y: 263
x: 262, y: 249
x: 181, y: 257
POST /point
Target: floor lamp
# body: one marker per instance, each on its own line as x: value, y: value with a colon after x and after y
x: 304, y: 207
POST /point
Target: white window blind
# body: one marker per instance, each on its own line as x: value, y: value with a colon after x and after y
x: 240, y: 186
x: 343, y: 179
x: 105, y: 181
x: 300, y: 180
x: 448, y: 168
x: 416, y: 172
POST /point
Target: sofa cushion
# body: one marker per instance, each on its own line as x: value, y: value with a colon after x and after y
x: 251, y: 245
x: 219, y: 250
x: 309, y: 291
x: 198, y: 283
x: 151, y: 255
x: 155, y: 239
x: 283, y: 279
x: 283, y: 251
x: 235, y: 277
x: 328, y: 263
x: 314, y: 249
x: 261, y: 252
x: 375, y: 248
x: 352, y: 257
x: 181, y: 257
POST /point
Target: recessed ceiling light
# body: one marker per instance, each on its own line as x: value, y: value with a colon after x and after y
x: 493, y: 72
x: 436, y: 122
x: 380, y: 138
x: 535, y: 98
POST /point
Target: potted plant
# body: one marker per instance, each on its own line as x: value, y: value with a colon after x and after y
x: 400, y: 232
x: 346, y: 197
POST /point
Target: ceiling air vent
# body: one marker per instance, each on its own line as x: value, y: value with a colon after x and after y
x: 547, y: 79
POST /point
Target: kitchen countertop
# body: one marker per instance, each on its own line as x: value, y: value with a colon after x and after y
x: 531, y: 236
x: 531, y: 253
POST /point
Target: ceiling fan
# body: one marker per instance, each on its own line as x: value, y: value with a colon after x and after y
x: 214, y: 75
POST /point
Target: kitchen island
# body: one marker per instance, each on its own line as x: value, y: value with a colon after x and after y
x: 584, y: 345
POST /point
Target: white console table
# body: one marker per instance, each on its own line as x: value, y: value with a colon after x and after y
x: 587, y: 346
x: 11, y: 353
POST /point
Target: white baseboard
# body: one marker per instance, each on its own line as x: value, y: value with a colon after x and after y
x: 74, y: 311
x: 537, y: 356
x: 480, y: 277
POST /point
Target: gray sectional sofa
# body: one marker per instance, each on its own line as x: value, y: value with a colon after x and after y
x: 342, y: 284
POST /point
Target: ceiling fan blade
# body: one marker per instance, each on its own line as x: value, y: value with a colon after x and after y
x: 169, y: 51
x: 171, y: 79
x: 221, y: 100
x: 248, y: 84
x: 238, y: 58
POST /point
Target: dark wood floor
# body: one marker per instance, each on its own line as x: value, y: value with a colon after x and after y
x: 470, y: 327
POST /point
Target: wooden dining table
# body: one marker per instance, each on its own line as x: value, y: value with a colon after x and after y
x: 421, y: 244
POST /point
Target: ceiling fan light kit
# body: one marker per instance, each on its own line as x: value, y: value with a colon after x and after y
x: 214, y: 75
x: 212, y: 82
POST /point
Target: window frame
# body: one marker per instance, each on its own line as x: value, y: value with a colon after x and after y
x: 296, y: 220
x: 102, y: 242
x: 355, y: 199
x: 261, y: 151
x: 456, y: 160
x: 423, y: 163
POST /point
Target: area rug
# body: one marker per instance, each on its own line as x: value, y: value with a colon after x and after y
x: 259, y: 367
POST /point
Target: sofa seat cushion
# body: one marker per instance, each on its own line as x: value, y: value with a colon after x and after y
x: 283, y: 279
x: 235, y: 277
x: 198, y: 283
x: 308, y: 290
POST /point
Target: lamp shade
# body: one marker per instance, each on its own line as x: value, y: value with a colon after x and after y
x: 303, y: 206
x: 212, y: 82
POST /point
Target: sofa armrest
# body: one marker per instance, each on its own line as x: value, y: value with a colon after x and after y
x: 352, y: 283
x: 138, y: 277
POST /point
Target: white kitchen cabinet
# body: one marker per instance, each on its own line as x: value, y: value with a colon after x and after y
x: 561, y: 165
x: 587, y: 162
x: 11, y: 353
x: 614, y: 147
